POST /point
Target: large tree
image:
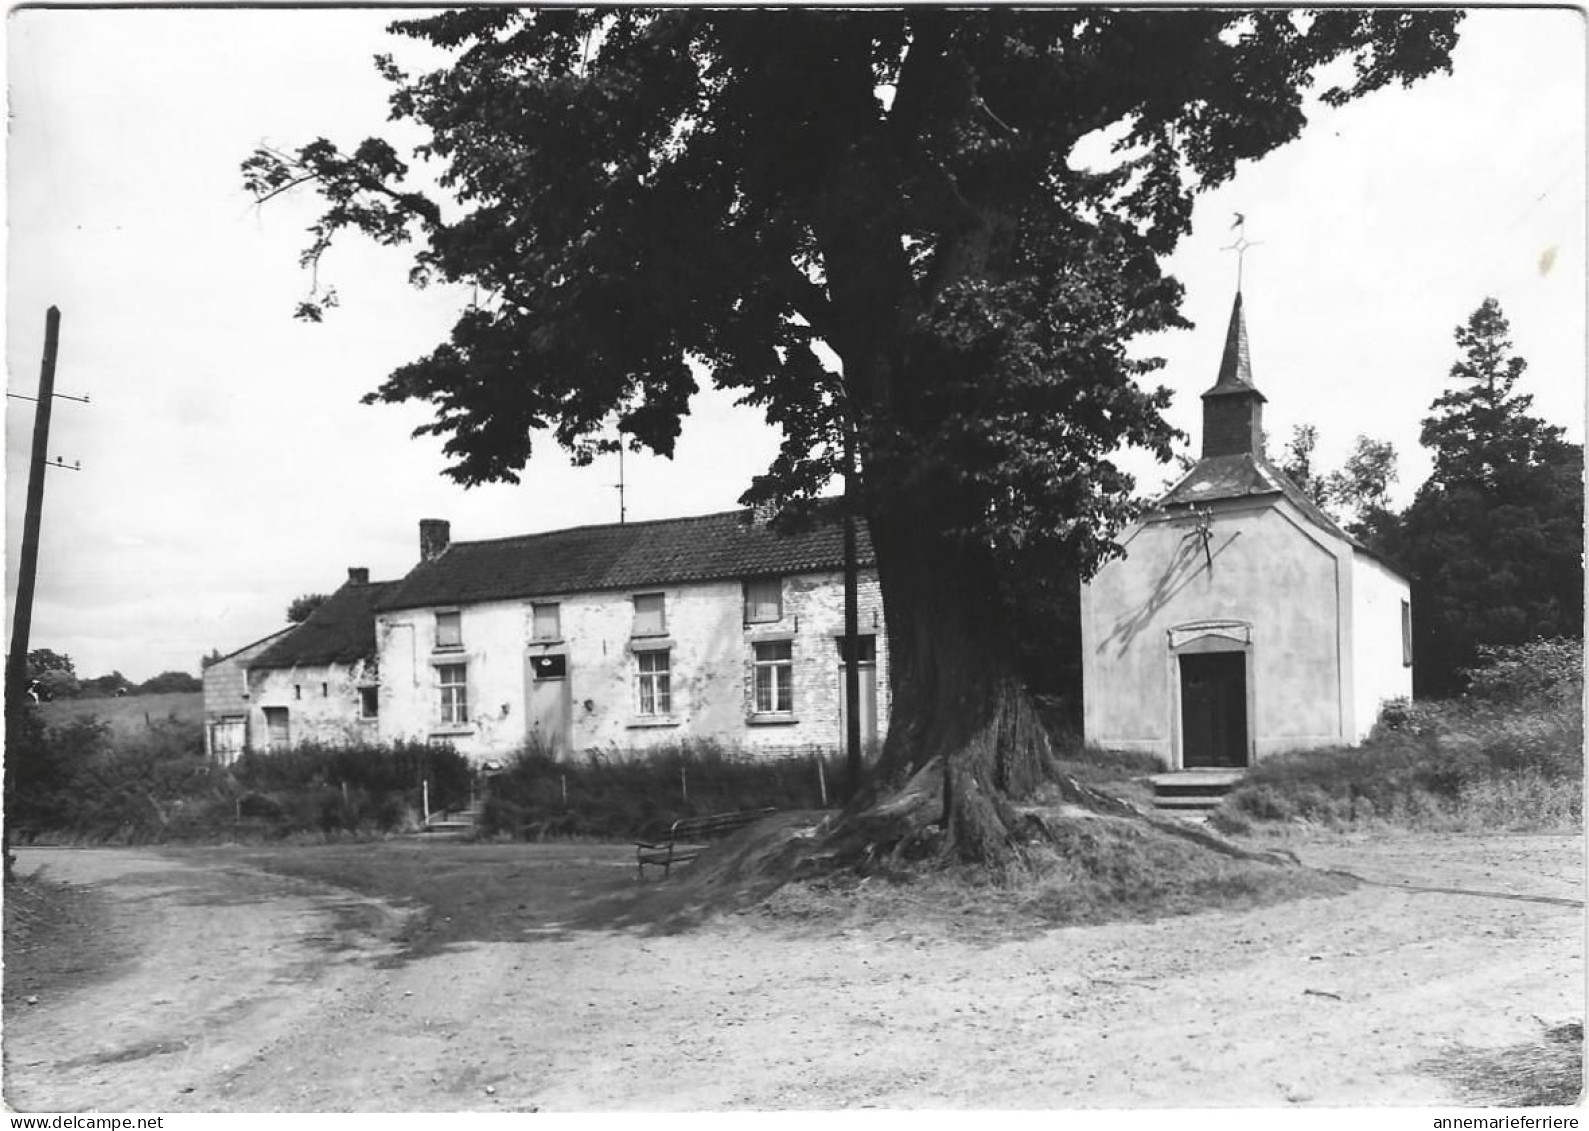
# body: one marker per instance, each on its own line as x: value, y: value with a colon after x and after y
x: 1494, y: 537
x: 633, y: 191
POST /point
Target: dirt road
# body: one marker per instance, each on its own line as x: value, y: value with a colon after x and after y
x: 230, y: 989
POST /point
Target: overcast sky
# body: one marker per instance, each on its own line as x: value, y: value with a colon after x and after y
x: 227, y: 465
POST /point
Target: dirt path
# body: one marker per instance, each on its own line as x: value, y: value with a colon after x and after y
x: 191, y: 970
x: 242, y: 996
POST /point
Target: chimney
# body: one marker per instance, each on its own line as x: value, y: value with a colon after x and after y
x: 1233, y: 408
x: 358, y: 575
x: 434, y: 536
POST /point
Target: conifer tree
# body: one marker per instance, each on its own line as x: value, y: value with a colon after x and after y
x: 1494, y: 538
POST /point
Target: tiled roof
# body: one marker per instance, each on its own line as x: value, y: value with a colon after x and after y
x: 1242, y: 476
x: 1239, y: 476
x: 339, y: 632
x: 710, y: 547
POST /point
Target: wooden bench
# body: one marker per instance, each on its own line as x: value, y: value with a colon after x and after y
x: 689, y: 836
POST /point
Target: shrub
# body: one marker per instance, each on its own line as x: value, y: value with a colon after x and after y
x: 616, y: 794
x: 81, y: 780
x: 1541, y: 670
x: 1509, y: 755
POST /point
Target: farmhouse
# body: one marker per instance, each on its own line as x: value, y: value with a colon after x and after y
x: 317, y: 682
x: 1242, y: 621
x: 628, y: 636
x: 226, y: 700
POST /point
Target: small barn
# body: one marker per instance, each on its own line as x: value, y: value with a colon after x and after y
x: 1242, y: 621
x: 320, y: 682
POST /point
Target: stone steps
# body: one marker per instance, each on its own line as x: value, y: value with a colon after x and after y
x: 1193, y: 790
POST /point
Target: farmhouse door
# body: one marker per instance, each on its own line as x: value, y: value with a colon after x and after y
x: 1214, y: 710
x: 868, y: 681
x: 278, y: 736
x: 549, y: 703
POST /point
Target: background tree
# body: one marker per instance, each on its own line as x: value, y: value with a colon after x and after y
x: 1494, y: 538
x: 303, y: 607
x: 111, y: 684
x: 53, y: 674
x: 639, y: 190
x: 1358, y: 494
x: 167, y: 682
x: 1297, y: 463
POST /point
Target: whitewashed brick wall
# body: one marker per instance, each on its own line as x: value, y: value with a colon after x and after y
x: 710, y: 654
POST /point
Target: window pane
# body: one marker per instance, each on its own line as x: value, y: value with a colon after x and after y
x: 652, y: 683
x: 763, y: 600
x: 648, y: 617
x: 774, y: 650
x: 547, y: 622
x: 452, y: 679
x: 774, y: 677
x: 449, y: 630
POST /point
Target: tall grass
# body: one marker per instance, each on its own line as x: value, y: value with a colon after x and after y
x: 82, y: 780
x: 1509, y: 755
x: 618, y: 794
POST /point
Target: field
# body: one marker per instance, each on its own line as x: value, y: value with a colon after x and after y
x: 128, y: 714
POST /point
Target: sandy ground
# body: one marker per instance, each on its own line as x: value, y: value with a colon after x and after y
x: 231, y: 990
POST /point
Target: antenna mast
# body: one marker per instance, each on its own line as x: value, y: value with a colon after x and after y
x: 619, y: 484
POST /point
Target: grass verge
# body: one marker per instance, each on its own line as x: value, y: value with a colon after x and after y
x: 1543, y: 1073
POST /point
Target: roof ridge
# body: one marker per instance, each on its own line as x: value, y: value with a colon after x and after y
x: 677, y: 519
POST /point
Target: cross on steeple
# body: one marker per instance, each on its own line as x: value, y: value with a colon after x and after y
x: 1240, y: 246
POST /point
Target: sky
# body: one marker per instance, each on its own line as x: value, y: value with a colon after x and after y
x: 228, y: 466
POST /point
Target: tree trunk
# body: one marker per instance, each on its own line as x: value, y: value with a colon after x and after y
x: 964, y: 740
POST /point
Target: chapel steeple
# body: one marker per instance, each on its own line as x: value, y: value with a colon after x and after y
x: 1233, y: 408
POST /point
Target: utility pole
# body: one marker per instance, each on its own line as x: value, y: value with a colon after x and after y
x: 852, y: 638
x: 22, y: 619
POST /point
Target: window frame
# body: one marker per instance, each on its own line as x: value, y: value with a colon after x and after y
x: 776, y: 584
x: 368, y: 696
x: 453, y: 617
x: 1406, y: 632
x: 770, y: 667
x: 657, y: 682
x: 452, y: 696
x: 536, y: 635
x: 661, y: 629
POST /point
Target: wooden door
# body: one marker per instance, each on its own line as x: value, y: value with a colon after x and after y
x: 1214, y: 710
x: 868, y: 680
x: 278, y: 736
x: 550, y: 699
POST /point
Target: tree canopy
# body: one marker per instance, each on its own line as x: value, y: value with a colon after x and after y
x: 302, y: 607
x: 1494, y: 537
x: 873, y: 225
x: 1358, y: 493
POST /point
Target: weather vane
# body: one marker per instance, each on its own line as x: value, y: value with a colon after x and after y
x: 1240, y: 246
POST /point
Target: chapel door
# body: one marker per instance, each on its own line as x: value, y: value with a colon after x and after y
x: 1214, y: 710
x: 550, y: 700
